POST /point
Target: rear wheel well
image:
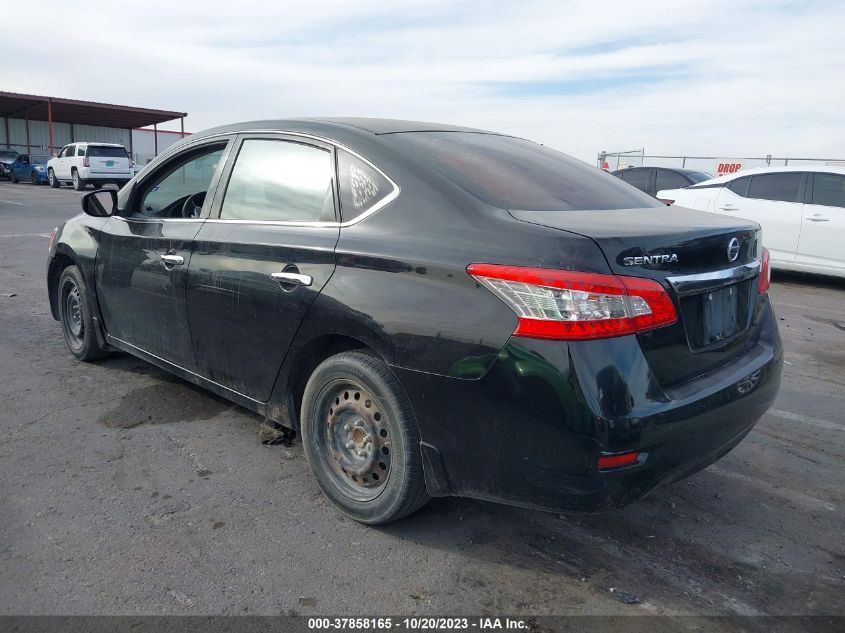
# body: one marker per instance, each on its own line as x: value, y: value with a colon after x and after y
x: 307, y: 360
x: 57, y: 266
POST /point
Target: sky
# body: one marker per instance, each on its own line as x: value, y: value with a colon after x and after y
x: 713, y: 77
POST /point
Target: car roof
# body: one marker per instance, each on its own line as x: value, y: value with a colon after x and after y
x: 836, y: 169
x: 368, y: 125
x: 96, y: 143
x: 680, y: 170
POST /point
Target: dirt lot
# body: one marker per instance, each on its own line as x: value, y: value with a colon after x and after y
x: 127, y: 491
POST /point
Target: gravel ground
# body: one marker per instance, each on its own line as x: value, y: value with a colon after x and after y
x: 128, y: 491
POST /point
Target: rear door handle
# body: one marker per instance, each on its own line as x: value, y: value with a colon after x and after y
x: 816, y: 218
x: 728, y: 207
x: 172, y: 260
x: 292, y: 278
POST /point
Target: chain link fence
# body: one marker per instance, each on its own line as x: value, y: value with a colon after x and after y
x: 716, y: 165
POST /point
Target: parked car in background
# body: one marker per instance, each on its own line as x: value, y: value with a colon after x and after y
x: 31, y: 167
x: 96, y: 164
x: 7, y: 157
x: 435, y: 310
x: 801, y: 210
x: 653, y: 179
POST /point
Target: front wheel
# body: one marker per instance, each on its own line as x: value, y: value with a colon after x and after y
x: 13, y: 178
x: 76, y: 317
x: 54, y: 182
x: 34, y: 178
x: 361, y: 439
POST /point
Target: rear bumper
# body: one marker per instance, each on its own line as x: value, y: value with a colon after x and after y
x: 89, y: 174
x: 530, y: 432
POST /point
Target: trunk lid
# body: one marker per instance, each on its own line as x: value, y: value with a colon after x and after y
x: 708, y: 263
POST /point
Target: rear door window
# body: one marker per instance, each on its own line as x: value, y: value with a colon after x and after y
x: 363, y: 188
x: 782, y: 187
x: 280, y: 181
x: 667, y: 179
x: 512, y: 173
x: 829, y: 190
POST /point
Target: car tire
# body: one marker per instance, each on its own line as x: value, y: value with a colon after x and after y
x: 76, y: 317
x: 361, y: 439
x: 34, y: 178
x: 13, y: 178
x: 78, y: 183
x: 51, y: 178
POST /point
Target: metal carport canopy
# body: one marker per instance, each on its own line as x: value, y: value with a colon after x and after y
x: 55, y: 109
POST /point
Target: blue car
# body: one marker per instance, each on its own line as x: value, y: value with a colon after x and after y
x: 32, y: 167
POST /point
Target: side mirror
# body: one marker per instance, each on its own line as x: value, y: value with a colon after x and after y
x: 101, y: 203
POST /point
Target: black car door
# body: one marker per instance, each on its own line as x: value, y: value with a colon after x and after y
x: 261, y: 259
x: 145, y: 251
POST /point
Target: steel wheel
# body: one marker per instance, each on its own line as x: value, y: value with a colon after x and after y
x: 354, y: 440
x: 72, y: 318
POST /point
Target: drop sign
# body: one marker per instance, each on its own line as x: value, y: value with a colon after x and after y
x: 728, y: 168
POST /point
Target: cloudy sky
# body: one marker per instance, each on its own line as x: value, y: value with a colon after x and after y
x: 710, y: 77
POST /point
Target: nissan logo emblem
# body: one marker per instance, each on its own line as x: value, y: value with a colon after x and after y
x: 733, y: 249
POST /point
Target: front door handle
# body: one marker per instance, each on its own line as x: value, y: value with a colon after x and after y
x: 172, y: 260
x: 292, y: 278
x: 818, y: 217
x: 728, y: 207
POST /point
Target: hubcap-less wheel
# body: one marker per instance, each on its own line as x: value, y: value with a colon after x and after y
x: 355, y: 440
x: 72, y: 315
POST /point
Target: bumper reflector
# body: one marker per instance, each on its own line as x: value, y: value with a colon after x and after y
x: 610, y: 462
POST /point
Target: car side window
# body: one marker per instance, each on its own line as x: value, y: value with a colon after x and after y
x: 740, y: 186
x: 781, y: 187
x: 637, y: 177
x: 362, y: 186
x: 667, y: 179
x: 280, y: 181
x: 829, y: 190
x: 70, y: 151
x: 189, y: 174
x: 80, y: 151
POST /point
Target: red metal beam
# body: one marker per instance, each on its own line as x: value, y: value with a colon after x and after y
x: 50, y: 124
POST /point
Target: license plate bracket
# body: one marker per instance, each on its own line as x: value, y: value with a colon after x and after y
x: 720, y: 314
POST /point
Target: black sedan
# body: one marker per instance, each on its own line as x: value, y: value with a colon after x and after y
x: 654, y: 179
x: 434, y: 310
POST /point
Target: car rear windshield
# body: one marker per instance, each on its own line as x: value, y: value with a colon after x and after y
x: 512, y: 173
x: 698, y: 176
x: 102, y: 151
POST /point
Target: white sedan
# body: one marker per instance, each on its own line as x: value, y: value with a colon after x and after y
x: 801, y: 210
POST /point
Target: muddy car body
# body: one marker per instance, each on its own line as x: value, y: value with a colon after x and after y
x: 435, y: 310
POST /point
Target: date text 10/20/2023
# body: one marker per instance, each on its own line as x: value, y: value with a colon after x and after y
x: 417, y: 624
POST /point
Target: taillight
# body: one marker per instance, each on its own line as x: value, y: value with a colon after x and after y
x: 85, y: 162
x: 566, y: 305
x: 765, y: 279
x: 53, y: 234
